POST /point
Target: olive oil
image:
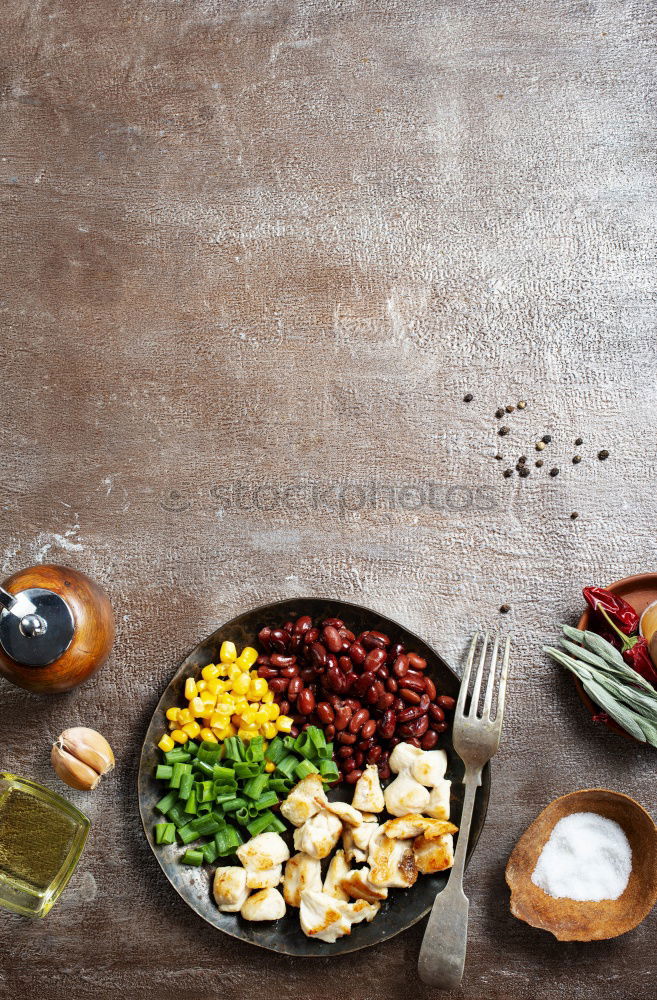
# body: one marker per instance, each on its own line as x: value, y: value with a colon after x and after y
x: 41, y: 839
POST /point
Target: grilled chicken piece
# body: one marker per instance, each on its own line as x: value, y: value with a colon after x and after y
x: 357, y: 884
x: 415, y: 825
x: 391, y: 862
x: 267, y: 879
x: 368, y: 795
x: 268, y: 904
x: 438, y: 806
x: 351, y: 850
x: 318, y: 835
x: 301, y: 872
x: 403, y: 757
x: 305, y: 800
x: 429, y: 769
x: 229, y: 888
x: 362, y: 835
x: 434, y: 855
x: 327, y: 918
x: 406, y: 795
x: 262, y: 852
x: 337, y: 870
x: 345, y: 812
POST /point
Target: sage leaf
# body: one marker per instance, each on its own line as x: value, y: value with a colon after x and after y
x: 623, y: 716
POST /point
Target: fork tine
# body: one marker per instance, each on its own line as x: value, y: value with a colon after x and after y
x: 502, y: 688
x: 465, y: 681
x: 488, y: 699
x: 479, y: 676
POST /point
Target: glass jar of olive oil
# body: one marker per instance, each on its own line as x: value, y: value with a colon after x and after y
x: 41, y: 839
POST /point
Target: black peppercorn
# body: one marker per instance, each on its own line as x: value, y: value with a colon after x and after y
x: 523, y: 471
x: 503, y: 431
x: 509, y: 409
x: 577, y: 459
x: 554, y: 472
x: 468, y: 397
x: 603, y: 454
x: 539, y: 464
x: 508, y: 473
x: 522, y: 459
x: 574, y: 516
x: 499, y: 413
x: 546, y: 438
x: 579, y: 441
x: 499, y: 457
x: 505, y: 608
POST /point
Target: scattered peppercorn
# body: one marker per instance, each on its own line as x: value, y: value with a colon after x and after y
x: 539, y: 464
x: 468, y: 397
x: 509, y: 408
x: 523, y: 471
x: 503, y: 431
x: 546, y: 439
x: 603, y: 454
x: 554, y: 472
x: 539, y: 446
x: 577, y: 459
x: 499, y: 413
x: 522, y: 404
x: 522, y: 459
x: 505, y: 608
x: 508, y: 473
x: 574, y: 516
x: 579, y: 441
x: 499, y: 457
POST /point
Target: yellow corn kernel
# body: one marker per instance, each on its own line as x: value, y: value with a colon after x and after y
x: 185, y: 716
x: 172, y: 725
x: 228, y: 653
x: 178, y: 736
x: 215, y: 686
x: 257, y: 688
x: 241, y: 684
x: 269, y: 731
x: 209, y: 672
x: 190, y: 688
x: 273, y: 711
x: 268, y: 698
x: 172, y: 713
x: 249, y: 715
x: 197, y: 707
x: 166, y: 743
x: 247, y: 732
x: 270, y: 766
x: 218, y: 719
x: 192, y: 729
x: 284, y: 723
x: 208, y: 698
x: 201, y: 686
x: 261, y: 716
x: 208, y: 735
x: 248, y: 656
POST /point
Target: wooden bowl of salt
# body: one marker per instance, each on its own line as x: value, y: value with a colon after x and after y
x: 589, y: 858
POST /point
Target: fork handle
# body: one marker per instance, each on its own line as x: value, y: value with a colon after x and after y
x: 442, y: 955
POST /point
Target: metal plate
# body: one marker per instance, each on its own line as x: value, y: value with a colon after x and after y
x: 404, y: 907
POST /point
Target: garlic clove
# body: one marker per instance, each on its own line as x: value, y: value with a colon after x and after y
x: 89, y: 747
x: 73, y: 772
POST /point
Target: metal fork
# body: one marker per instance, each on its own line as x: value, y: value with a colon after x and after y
x: 476, y: 739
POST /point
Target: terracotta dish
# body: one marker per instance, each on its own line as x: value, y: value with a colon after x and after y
x: 639, y: 591
x: 567, y: 919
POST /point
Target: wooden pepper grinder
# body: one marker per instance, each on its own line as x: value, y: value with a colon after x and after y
x: 56, y: 628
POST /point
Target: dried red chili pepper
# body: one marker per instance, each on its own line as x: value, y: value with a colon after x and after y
x: 620, y: 612
x: 638, y: 657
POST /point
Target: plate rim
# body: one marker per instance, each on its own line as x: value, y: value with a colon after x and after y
x: 483, y: 790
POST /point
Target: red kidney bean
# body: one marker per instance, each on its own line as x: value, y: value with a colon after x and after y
x: 430, y: 688
x: 365, y: 745
x: 353, y: 776
x: 294, y: 731
x: 336, y: 681
x: 436, y: 713
x: 342, y: 717
x: 263, y: 660
x: 417, y: 662
x: 278, y: 684
x: 289, y: 627
x: 303, y: 623
x: 374, y: 693
x: 332, y: 639
x: 400, y: 666
x: 342, y: 753
x: 357, y: 720
x: 396, y: 650
x: 306, y: 701
x: 278, y: 639
x: 359, y: 758
x: 267, y: 672
x: 440, y: 727
x: 375, y: 658
x: 384, y: 772
x: 385, y: 701
x: 284, y: 706
x: 374, y: 754
x: 383, y: 673
x: 347, y: 738
x: 280, y: 660
x: 447, y: 702
x: 334, y: 622
x: 325, y: 713
x: 392, y: 685
x: 348, y: 765
x: 331, y: 661
x: 317, y: 654
x: 289, y: 671
x: 412, y: 697
x: 264, y: 635
x: 374, y: 639
x: 312, y: 635
x: 344, y: 664
x: 352, y: 704
x: 409, y: 713
x: 417, y: 727
x: 329, y: 732
x: 294, y: 688
x: 412, y: 685
x: 346, y: 634
x: 368, y: 729
x: 414, y: 741
x: 350, y: 680
x: 429, y: 740
x: 357, y: 653
x: 295, y: 642
x: 398, y: 705
x: 307, y: 675
x: 362, y: 683
x: 386, y: 724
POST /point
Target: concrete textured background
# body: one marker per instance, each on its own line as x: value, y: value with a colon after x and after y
x: 253, y: 255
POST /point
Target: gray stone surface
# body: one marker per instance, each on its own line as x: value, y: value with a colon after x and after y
x: 253, y: 256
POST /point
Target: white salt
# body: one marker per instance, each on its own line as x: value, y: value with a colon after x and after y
x: 588, y: 857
